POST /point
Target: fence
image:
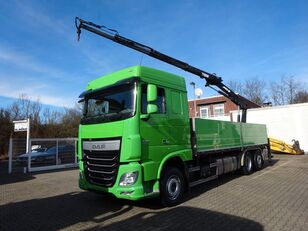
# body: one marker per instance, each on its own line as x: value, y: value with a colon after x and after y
x: 43, y: 154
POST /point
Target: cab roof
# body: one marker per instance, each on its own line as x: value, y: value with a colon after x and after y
x: 146, y: 74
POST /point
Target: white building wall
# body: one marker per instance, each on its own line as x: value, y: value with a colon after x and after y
x: 224, y: 118
x: 283, y: 122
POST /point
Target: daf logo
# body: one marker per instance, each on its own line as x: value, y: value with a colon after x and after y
x: 106, y: 145
x: 98, y: 146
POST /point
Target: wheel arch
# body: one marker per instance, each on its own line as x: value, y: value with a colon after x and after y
x: 176, y: 159
x: 251, y: 151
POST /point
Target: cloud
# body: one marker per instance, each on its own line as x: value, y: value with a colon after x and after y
x: 21, y: 60
x: 25, y: 61
x: 37, y: 17
x: 35, y: 92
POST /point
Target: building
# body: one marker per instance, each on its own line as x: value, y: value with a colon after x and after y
x: 214, y: 107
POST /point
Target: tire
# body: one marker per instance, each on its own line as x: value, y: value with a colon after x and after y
x: 258, y: 161
x: 171, y: 186
x: 248, y: 164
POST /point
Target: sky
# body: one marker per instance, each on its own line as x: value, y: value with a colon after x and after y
x: 237, y: 40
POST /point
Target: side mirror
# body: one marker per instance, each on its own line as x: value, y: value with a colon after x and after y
x: 151, y: 93
x: 152, y: 108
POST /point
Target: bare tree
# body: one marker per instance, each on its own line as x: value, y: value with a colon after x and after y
x: 51, y: 116
x: 235, y: 86
x: 277, y: 93
x: 70, y: 119
x: 35, y: 111
x: 284, y: 91
x: 292, y: 88
x: 24, y: 108
x: 5, y: 131
x: 25, y: 104
x: 15, y: 111
x: 301, y: 97
x: 255, y: 90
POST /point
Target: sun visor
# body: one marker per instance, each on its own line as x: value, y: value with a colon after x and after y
x: 118, y: 83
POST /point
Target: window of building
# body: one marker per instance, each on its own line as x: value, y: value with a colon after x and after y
x: 204, y: 112
x: 219, y: 109
x: 160, y: 102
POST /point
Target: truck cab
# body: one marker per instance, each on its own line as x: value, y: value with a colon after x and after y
x: 135, y: 122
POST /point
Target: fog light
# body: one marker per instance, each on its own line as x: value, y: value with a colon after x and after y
x: 128, y: 178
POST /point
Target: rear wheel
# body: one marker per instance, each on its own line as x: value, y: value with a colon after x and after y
x: 171, y: 186
x: 247, y: 168
x: 258, y: 161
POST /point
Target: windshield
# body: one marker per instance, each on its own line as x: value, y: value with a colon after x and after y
x: 110, y: 104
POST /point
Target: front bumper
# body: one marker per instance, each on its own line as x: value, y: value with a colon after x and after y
x: 137, y: 191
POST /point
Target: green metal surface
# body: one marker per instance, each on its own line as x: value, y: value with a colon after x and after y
x: 216, y: 135
x: 148, y: 74
x: 253, y: 134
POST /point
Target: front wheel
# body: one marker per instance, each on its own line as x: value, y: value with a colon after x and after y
x: 171, y: 186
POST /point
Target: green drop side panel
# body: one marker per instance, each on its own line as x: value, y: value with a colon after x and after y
x: 214, y: 135
x: 254, y: 134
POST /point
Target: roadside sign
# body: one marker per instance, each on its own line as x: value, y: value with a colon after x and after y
x: 21, y: 126
x: 24, y: 126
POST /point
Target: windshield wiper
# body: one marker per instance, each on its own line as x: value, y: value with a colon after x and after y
x: 119, y: 115
x: 112, y: 116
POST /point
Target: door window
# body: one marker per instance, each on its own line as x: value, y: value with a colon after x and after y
x: 160, y: 102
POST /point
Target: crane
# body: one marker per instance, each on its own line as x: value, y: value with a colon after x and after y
x: 212, y: 80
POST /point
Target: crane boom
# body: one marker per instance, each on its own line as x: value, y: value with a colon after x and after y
x: 211, y: 79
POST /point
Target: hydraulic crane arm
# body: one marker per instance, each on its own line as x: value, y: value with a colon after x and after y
x: 211, y: 79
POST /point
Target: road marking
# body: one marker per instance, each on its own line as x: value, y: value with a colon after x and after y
x: 271, y: 169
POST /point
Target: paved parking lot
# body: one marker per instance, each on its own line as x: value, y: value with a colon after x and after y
x: 275, y: 198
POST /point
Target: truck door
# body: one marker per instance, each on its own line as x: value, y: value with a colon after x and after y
x: 154, y: 131
x: 178, y: 121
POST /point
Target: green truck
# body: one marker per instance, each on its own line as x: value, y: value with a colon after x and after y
x: 136, y: 139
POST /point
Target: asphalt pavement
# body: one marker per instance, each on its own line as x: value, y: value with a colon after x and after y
x: 275, y: 198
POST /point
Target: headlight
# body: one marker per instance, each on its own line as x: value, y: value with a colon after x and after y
x: 128, y: 178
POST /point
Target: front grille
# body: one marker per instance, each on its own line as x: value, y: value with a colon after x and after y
x: 101, y: 167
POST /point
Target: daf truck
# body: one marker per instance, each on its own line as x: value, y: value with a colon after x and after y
x: 136, y: 139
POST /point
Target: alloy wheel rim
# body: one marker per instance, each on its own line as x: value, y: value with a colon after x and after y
x: 173, y: 187
x: 259, y: 160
